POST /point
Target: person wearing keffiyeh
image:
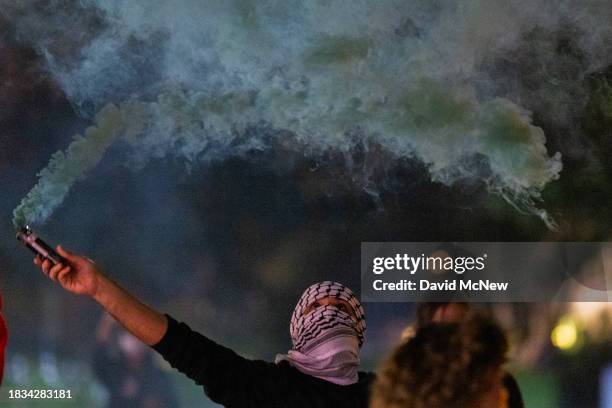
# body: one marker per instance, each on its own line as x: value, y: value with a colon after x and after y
x: 321, y: 370
x: 327, y: 330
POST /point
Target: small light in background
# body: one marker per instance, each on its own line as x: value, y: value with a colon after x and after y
x: 565, y: 334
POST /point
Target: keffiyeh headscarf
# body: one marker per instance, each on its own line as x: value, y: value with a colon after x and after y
x: 326, y: 341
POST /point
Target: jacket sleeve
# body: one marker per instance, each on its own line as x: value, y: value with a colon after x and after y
x: 224, y: 374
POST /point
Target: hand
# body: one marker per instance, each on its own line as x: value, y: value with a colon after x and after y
x: 80, y: 275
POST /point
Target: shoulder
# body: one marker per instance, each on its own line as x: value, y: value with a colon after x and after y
x: 367, y: 376
x: 290, y: 374
x: 515, y: 397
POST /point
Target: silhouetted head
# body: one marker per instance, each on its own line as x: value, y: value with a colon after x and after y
x: 445, y: 365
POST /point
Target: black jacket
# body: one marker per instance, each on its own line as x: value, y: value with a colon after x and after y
x: 235, y: 382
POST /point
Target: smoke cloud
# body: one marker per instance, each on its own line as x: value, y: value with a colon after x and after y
x: 424, y: 80
x: 64, y: 169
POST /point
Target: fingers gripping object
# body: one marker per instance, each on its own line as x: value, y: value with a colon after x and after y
x: 28, y: 238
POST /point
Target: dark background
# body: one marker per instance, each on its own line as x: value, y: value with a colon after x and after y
x: 230, y: 245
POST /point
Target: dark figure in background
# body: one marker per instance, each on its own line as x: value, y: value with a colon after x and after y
x: 320, y: 371
x: 3, y: 340
x: 445, y: 365
x: 126, y: 368
x: 456, y: 312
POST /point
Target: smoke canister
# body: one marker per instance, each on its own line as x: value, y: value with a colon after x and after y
x: 27, y: 237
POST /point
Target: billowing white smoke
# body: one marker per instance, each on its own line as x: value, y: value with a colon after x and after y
x: 64, y: 169
x: 189, y: 76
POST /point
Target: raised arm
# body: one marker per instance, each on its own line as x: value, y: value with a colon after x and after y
x: 83, y: 277
x: 220, y: 370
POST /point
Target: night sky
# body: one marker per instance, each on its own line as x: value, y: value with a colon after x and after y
x: 228, y: 242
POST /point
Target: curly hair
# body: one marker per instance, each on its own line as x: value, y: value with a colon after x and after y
x: 442, y: 366
x: 426, y: 311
